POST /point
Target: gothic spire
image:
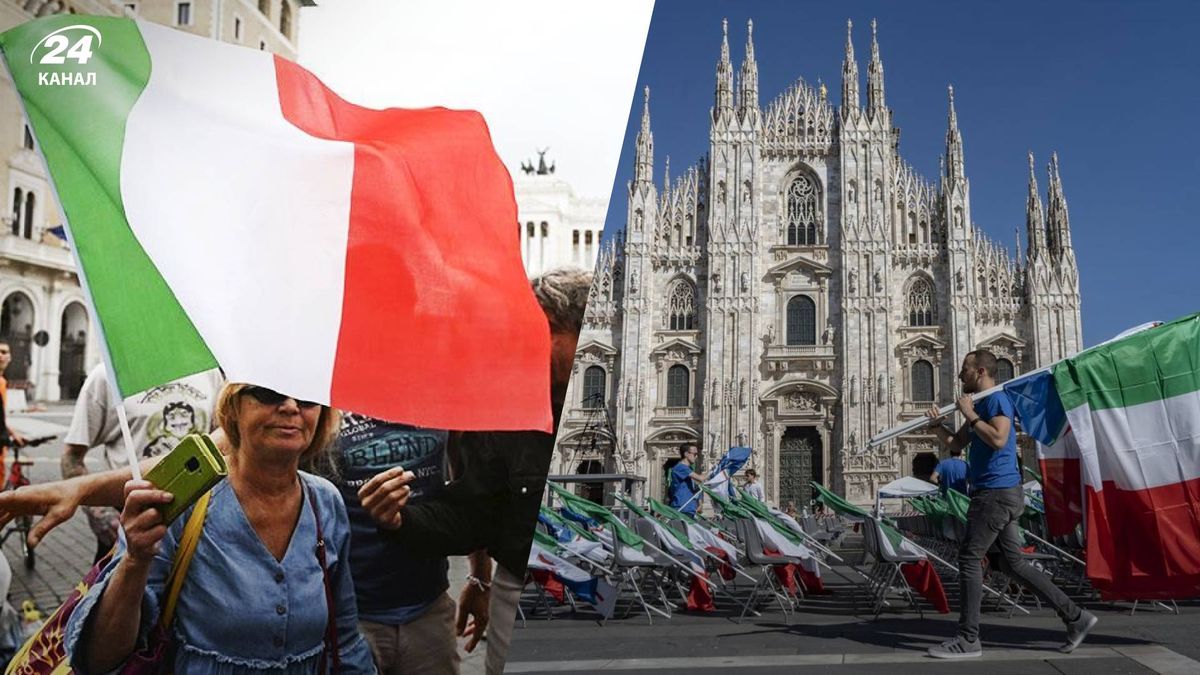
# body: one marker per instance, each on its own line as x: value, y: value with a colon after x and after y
x: 748, y: 94
x: 643, y: 161
x: 875, y: 103
x: 849, y: 76
x: 1058, y: 224
x: 1034, y: 227
x: 954, y: 149
x: 667, y: 175
x: 724, y: 93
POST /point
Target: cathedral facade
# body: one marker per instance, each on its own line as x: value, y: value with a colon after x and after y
x: 802, y: 288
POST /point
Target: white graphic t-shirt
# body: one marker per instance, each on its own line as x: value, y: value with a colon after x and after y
x: 158, y: 418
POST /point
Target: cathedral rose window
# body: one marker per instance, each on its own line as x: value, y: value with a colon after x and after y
x: 802, y: 212
x: 681, y: 307
x: 920, y: 303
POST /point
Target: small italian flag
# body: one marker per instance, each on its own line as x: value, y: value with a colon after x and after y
x: 227, y: 209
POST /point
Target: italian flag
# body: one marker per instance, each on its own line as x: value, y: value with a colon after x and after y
x: 227, y: 209
x: 1132, y: 407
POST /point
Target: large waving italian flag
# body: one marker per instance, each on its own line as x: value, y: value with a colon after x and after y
x: 227, y: 209
x: 1132, y: 409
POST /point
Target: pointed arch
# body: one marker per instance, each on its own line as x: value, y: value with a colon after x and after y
x: 920, y: 301
x: 681, y: 306
x: 803, y: 223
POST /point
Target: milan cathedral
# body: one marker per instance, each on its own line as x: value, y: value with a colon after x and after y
x: 802, y: 288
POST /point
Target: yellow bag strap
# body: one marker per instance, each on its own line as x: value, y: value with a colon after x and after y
x: 183, y: 558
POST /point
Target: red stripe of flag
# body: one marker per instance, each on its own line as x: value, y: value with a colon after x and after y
x: 1144, y: 544
x: 439, y: 325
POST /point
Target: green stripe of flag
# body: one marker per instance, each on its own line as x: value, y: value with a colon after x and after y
x: 838, y: 504
x: 1152, y: 365
x: 593, y: 510
x: 81, y: 132
x: 682, y: 538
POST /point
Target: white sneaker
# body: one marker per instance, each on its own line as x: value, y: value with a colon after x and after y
x: 957, y: 648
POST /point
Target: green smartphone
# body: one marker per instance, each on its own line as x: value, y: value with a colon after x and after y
x: 188, y: 471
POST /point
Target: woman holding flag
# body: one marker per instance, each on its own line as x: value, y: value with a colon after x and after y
x: 255, y: 597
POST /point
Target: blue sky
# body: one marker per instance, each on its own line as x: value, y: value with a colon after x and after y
x: 1111, y: 86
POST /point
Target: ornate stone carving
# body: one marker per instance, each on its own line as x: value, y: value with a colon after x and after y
x: 852, y: 282
x: 881, y: 388
x: 742, y: 402
x: 802, y: 401
x: 853, y: 389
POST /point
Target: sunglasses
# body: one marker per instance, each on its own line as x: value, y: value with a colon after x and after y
x: 271, y: 397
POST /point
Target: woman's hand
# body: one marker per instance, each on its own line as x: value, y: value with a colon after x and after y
x: 385, y: 495
x: 141, y: 521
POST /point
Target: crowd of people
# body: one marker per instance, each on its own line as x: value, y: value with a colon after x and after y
x: 343, y: 524
x: 383, y: 505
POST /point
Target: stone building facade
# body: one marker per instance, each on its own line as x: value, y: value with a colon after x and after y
x: 556, y: 227
x: 802, y: 288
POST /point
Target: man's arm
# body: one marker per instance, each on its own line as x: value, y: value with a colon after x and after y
x: 57, y: 501
x: 935, y: 478
x: 72, y: 461
x: 953, y: 442
x: 994, y: 432
x: 473, y: 602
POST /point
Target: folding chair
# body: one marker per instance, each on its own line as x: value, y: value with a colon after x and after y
x: 887, y: 568
x: 635, y: 570
x: 756, y: 555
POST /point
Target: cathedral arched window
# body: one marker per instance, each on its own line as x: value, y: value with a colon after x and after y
x: 802, y: 223
x: 801, y: 321
x: 18, y: 201
x: 681, y: 307
x: 679, y: 386
x: 1004, y: 370
x: 920, y: 304
x: 28, y: 232
x: 593, y: 387
x: 922, y: 381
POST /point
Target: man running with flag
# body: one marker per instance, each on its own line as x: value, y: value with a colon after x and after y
x: 996, y: 503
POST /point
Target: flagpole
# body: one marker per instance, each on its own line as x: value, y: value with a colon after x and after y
x: 917, y: 423
x: 114, y: 390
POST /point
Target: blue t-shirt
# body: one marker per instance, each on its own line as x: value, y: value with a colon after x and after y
x: 392, y: 585
x: 994, y: 468
x: 683, y: 488
x: 952, y: 474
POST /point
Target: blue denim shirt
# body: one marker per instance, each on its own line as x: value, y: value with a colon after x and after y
x: 240, y: 610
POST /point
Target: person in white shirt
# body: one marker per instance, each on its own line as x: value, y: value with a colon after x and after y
x: 753, y: 487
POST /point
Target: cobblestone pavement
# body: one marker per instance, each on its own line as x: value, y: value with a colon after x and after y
x: 65, y: 556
